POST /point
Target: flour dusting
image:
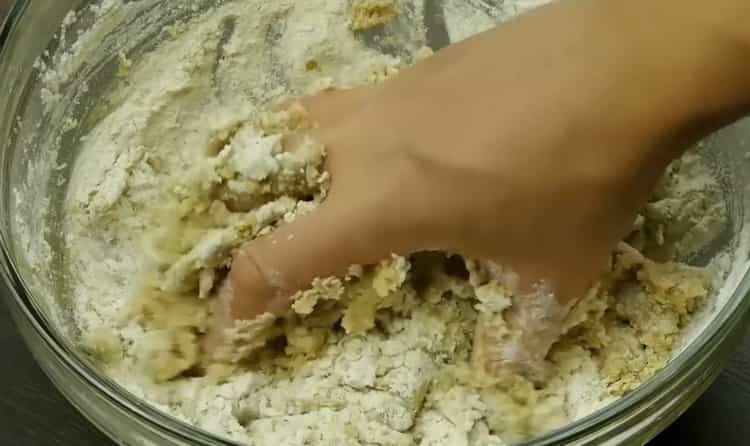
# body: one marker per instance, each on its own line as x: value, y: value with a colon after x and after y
x: 188, y: 160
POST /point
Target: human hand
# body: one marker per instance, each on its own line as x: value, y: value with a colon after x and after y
x: 533, y: 145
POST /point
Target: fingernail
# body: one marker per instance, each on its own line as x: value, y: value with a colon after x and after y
x: 255, y: 290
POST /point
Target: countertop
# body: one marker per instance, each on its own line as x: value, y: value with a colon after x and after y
x: 32, y: 411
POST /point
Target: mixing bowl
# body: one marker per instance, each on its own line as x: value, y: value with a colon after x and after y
x: 38, y: 146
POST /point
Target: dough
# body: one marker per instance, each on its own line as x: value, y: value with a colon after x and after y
x: 190, y: 162
x: 371, y: 13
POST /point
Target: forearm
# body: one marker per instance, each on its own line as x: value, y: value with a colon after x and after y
x: 691, y: 60
x: 657, y: 75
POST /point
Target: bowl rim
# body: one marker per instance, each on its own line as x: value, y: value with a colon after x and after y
x: 734, y: 311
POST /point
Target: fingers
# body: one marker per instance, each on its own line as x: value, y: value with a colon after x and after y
x: 330, y: 107
x: 222, y: 319
x: 268, y: 271
x: 328, y: 111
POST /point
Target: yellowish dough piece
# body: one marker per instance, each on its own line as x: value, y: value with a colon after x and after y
x: 304, y: 302
x: 167, y: 354
x: 103, y: 344
x: 368, y: 14
x: 246, y: 337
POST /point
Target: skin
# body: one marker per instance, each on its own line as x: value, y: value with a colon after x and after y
x: 534, y: 145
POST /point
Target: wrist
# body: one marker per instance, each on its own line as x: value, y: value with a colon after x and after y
x: 722, y: 27
x: 702, y: 50
x: 689, y: 63
x: 725, y: 20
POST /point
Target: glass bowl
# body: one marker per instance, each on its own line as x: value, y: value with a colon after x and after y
x: 29, y: 130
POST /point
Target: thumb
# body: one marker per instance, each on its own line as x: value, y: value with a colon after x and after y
x: 267, y: 271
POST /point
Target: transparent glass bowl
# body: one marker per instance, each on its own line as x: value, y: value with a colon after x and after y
x: 27, y: 131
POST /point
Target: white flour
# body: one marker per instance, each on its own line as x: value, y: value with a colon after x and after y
x: 399, y: 374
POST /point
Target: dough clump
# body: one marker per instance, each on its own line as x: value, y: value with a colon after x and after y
x: 368, y: 14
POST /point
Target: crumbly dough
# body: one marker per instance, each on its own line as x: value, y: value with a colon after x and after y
x: 368, y: 14
x: 193, y: 159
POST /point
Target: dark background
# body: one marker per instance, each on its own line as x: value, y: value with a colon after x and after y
x: 32, y: 411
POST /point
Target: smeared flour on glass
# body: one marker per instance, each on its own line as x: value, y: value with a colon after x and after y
x: 189, y: 162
